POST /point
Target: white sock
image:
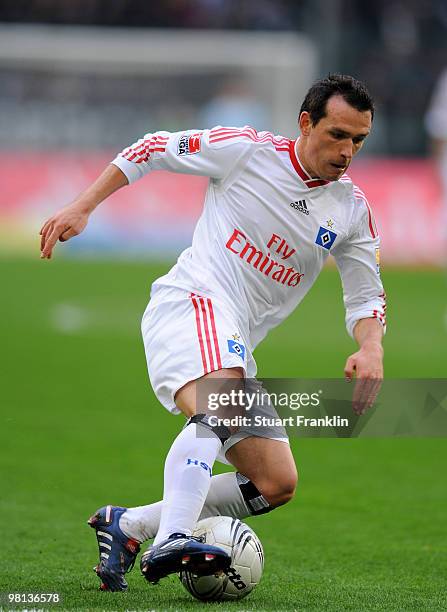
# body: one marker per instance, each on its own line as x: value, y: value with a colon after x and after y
x: 224, y: 499
x: 187, y: 479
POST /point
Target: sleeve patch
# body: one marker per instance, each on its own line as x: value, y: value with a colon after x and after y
x: 189, y: 144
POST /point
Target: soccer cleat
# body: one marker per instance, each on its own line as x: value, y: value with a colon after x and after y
x: 180, y: 552
x: 117, y: 552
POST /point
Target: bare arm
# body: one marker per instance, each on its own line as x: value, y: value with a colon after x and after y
x: 72, y: 219
x: 367, y: 363
x: 155, y: 151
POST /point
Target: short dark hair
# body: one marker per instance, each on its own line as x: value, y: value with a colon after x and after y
x: 353, y: 91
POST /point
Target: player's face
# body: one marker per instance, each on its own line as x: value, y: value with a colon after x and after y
x: 327, y: 148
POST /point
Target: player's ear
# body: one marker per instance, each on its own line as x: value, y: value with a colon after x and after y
x: 305, y: 123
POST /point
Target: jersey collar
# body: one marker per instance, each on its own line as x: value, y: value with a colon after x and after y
x: 308, y: 180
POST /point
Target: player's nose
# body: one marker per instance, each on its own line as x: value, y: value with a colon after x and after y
x: 346, y: 152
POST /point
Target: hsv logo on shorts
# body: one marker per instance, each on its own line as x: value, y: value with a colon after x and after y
x: 325, y: 238
x: 236, y: 347
x: 189, y: 144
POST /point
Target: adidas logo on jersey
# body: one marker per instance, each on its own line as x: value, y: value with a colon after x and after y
x: 301, y: 206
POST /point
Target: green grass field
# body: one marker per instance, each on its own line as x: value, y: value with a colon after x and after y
x: 80, y: 427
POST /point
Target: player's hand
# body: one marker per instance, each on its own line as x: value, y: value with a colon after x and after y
x: 66, y: 223
x: 367, y: 365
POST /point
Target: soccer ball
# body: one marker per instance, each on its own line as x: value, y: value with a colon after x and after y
x: 247, y: 560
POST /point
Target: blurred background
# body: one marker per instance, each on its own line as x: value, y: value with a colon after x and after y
x: 79, y: 424
x: 82, y: 79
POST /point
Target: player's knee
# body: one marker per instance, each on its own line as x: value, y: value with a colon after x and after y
x: 281, y: 490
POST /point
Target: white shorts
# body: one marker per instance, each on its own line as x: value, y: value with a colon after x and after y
x: 187, y: 335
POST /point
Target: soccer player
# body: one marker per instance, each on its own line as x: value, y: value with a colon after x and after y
x: 274, y: 210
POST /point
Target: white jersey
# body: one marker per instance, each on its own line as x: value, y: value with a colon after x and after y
x: 267, y: 227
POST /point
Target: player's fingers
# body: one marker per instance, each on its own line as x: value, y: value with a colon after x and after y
x: 48, y: 226
x: 51, y: 241
x: 41, y: 231
x: 357, y: 396
x: 69, y: 233
x: 46, y: 231
x: 365, y: 394
x: 360, y: 395
x: 43, y: 240
x: 349, y: 369
x: 373, y: 392
x: 366, y: 399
